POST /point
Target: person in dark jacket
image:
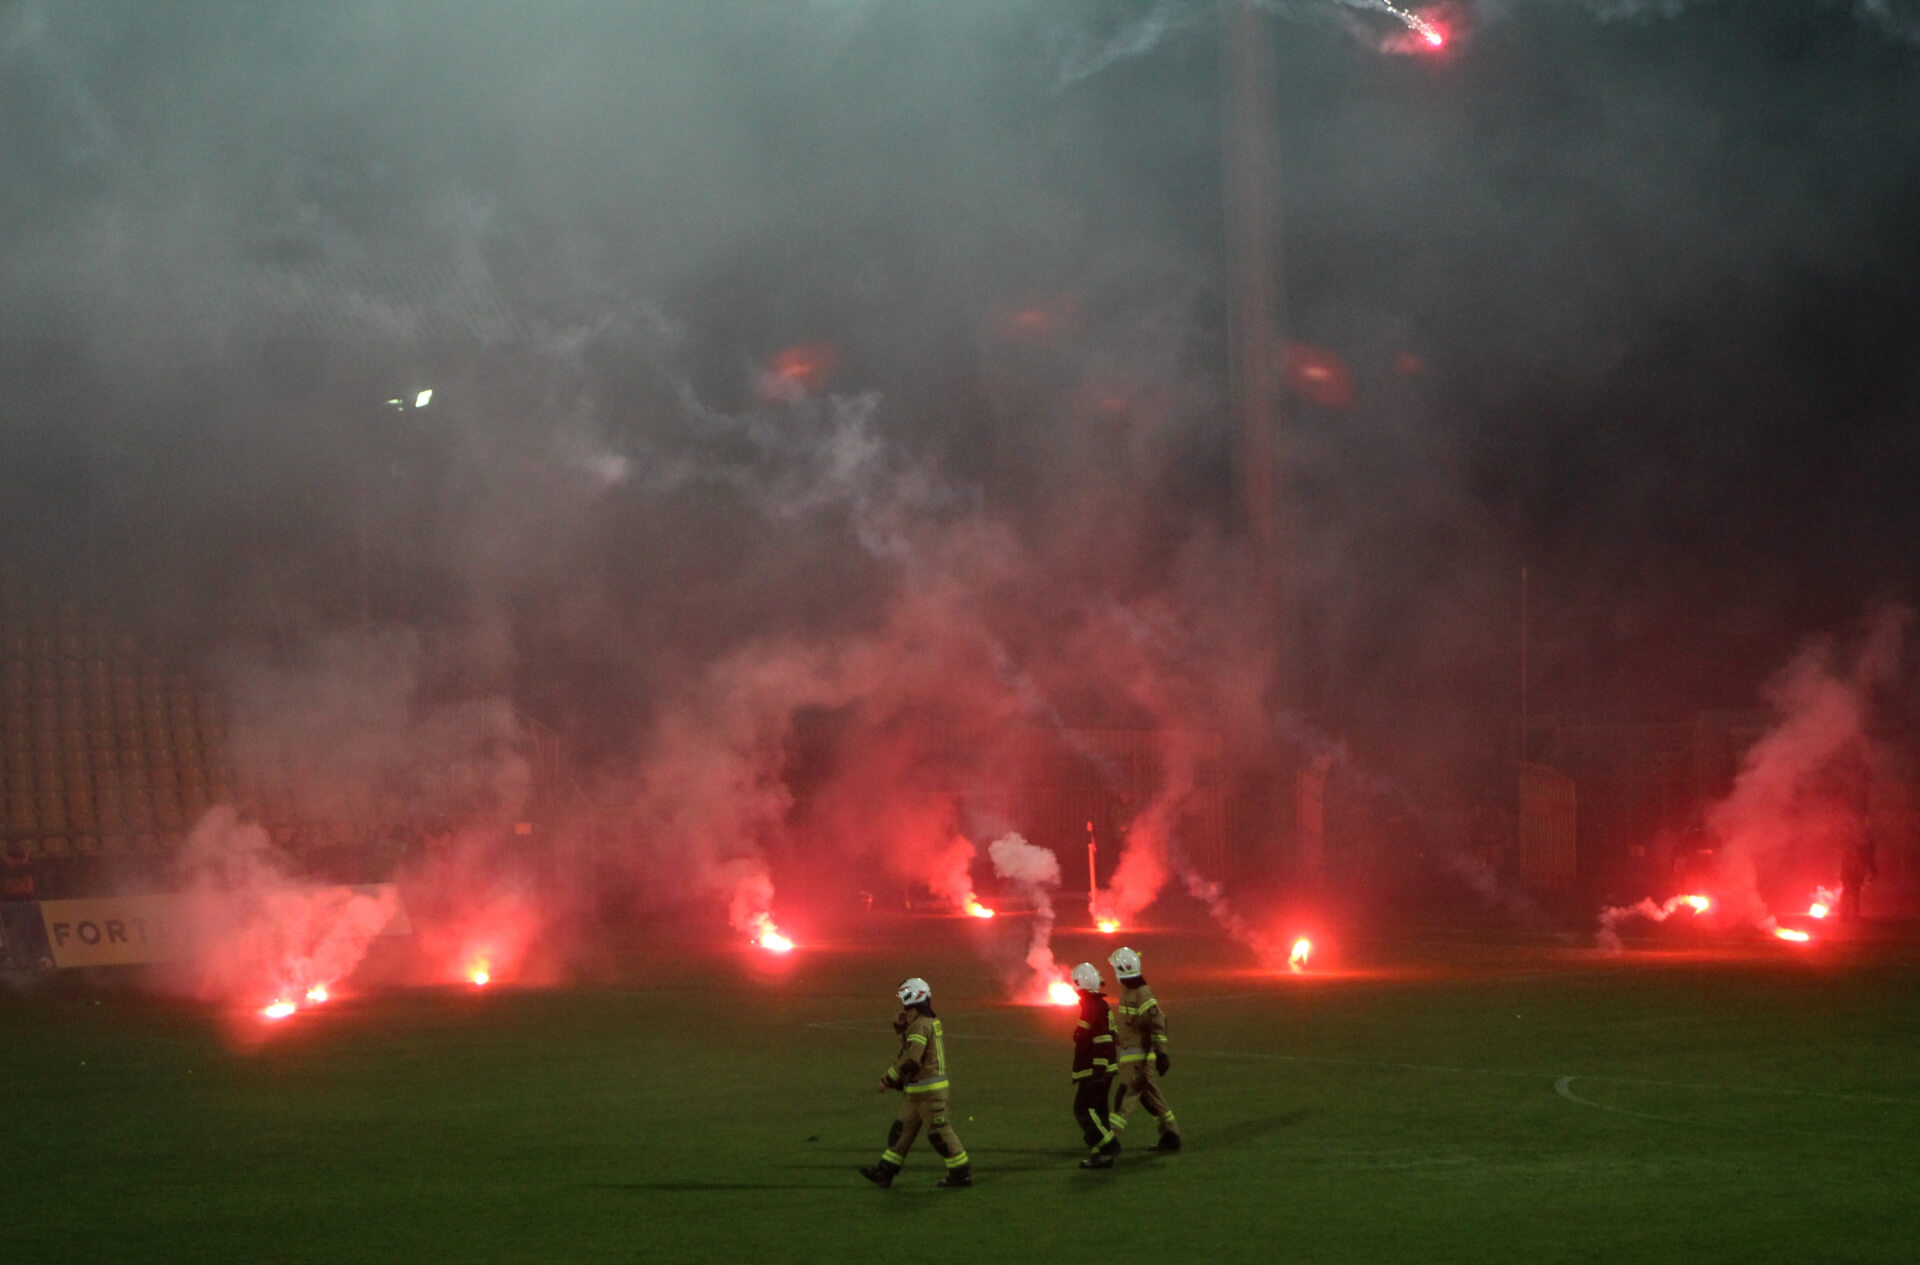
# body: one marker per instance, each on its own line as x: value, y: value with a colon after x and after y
x: 1095, y: 1057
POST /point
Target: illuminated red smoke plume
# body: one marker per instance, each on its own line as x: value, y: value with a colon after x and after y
x: 476, y: 908
x: 1145, y: 863
x: 252, y: 932
x: 852, y: 745
x: 1800, y: 794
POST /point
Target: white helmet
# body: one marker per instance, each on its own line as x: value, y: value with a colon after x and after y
x: 914, y: 992
x: 1126, y: 963
x: 1085, y: 978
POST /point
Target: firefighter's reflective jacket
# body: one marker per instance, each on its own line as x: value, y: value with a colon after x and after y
x: 921, y: 1066
x: 1143, y: 1025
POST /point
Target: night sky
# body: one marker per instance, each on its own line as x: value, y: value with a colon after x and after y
x: 1630, y: 294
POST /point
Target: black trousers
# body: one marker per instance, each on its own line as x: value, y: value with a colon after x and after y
x: 1090, y: 1098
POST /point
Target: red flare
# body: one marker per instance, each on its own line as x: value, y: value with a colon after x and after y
x: 975, y: 909
x: 1302, y: 950
x: 1061, y: 993
x: 1427, y: 32
x: 280, y: 1009
x: 1107, y: 926
x: 1317, y: 375
x: 318, y: 993
x: 767, y: 936
x: 1789, y: 934
x: 799, y: 370
x: 1038, y: 319
x: 479, y: 975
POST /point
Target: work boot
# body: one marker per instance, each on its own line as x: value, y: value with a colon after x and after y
x: 956, y: 1178
x: 1166, y: 1144
x: 1099, y: 1159
x: 880, y: 1174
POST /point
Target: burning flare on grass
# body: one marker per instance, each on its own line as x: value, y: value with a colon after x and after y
x: 1824, y: 900
x: 975, y: 909
x: 278, y: 1010
x: 1107, y: 926
x: 479, y: 975
x: 768, y: 936
x: 1302, y: 950
x: 1061, y: 993
x: 1610, y: 918
x: 1789, y: 934
x: 318, y: 993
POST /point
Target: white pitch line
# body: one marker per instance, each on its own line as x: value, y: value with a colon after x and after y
x: 1564, y: 1088
x: 1558, y: 1079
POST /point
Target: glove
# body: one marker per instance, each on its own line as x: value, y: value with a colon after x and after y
x: 1161, y: 1062
x: 885, y: 1085
x: 900, y: 1023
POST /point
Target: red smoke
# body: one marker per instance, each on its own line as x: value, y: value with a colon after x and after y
x: 1801, y: 793
x: 255, y: 932
x: 476, y: 907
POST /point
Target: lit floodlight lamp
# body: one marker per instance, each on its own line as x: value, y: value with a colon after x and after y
x: 424, y: 398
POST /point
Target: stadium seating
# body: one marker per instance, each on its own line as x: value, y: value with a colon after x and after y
x: 103, y: 752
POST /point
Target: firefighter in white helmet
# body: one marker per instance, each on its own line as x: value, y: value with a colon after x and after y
x: 1093, y: 1064
x: 919, y: 1071
x: 1143, y: 1051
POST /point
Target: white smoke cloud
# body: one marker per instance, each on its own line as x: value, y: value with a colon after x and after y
x: 1608, y: 936
x: 1898, y: 18
x: 1034, y: 873
x: 1269, y: 951
x: 1081, y: 54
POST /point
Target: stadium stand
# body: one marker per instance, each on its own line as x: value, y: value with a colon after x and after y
x: 105, y: 755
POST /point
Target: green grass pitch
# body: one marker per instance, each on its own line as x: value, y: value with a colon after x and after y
x: 1434, y: 1103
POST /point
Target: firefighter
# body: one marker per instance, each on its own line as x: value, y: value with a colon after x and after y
x: 1093, y: 1064
x: 1143, y: 1044
x: 920, y: 1072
